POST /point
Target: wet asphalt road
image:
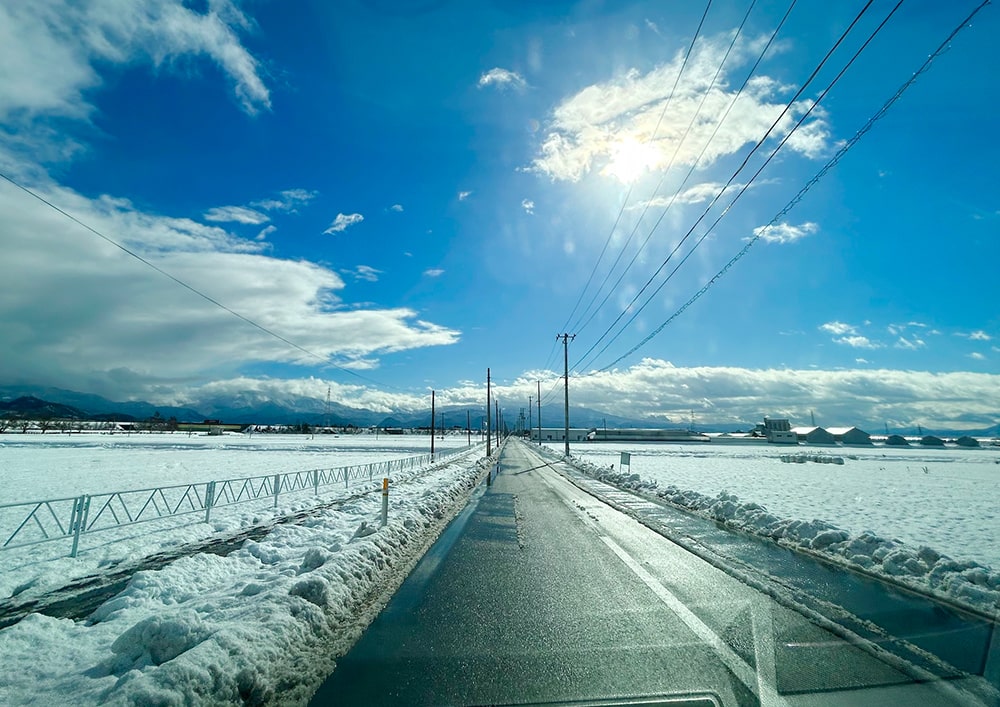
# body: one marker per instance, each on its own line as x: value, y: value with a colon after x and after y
x: 538, y: 592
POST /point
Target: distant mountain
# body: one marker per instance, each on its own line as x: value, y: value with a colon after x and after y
x: 32, y: 408
x: 257, y: 408
x: 96, y: 407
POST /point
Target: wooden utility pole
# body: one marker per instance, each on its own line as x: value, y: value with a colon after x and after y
x: 538, y: 401
x: 468, y: 427
x: 566, y: 339
x: 530, y: 418
x: 432, y: 423
x: 489, y: 431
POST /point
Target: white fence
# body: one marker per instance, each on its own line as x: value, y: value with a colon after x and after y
x: 33, y: 522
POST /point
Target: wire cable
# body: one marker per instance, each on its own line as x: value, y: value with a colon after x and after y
x: 687, y: 177
x: 725, y: 187
x: 869, y: 124
x: 628, y: 193
x: 188, y: 287
x: 577, y: 326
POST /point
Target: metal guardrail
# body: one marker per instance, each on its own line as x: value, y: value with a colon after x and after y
x: 33, y: 522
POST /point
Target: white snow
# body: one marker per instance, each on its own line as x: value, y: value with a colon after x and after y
x: 266, y: 621
x: 926, y: 517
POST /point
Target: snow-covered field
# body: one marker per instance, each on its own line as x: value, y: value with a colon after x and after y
x: 56, y: 465
x: 261, y: 624
x: 891, y: 510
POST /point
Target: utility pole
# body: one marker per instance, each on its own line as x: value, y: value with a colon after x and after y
x: 531, y: 426
x: 468, y: 427
x: 538, y: 401
x: 496, y: 410
x: 432, y: 424
x: 566, y: 339
x: 442, y: 425
x: 489, y: 432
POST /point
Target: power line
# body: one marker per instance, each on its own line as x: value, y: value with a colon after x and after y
x: 732, y: 178
x: 185, y: 285
x: 651, y: 137
x: 694, y: 166
x: 869, y: 124
x: 679, y: 143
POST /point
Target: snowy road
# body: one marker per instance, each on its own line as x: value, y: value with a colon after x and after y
x: 539, y: 592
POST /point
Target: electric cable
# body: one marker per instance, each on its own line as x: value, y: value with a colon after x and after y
x: 189, y: 287
x: 838, y: 156
x: 730, y: 181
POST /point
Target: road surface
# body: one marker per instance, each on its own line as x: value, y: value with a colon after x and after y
x: 540, y: 593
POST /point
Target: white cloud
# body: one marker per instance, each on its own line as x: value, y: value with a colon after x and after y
x: 343, y: 222
x: 858, y: 342
x: 528, y: 205
x: 463, y: 195
x: 911, y: 344
x: 652, y: 26
x: 861, y: 360
x: 619, y: 127
x: 396, y: 207
x: 96, y: 318
x: 785, y: 232
x: 287, y: 201
x: 236, y: 214
x: 363, y: 272
x: 839, y: 328
x: 434, y: 272
x: 980, y: 335
x: 977, y: 356
x: 54, y: 51
x: 502, y: 78
x: 266, y: 231
x: 655, y: 389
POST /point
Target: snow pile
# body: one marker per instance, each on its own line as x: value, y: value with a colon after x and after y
x: 922, y: 567
x: 263, y: 624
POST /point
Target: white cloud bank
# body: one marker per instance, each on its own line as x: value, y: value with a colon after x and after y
x: 54, y: 51
x: 657, y: 390
x: 620, y: 128
x: 78, y: 312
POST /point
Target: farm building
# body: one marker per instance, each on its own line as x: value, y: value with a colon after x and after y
x: 778, y: 431
x: 850, y: 435
x: 813, y: 435
x: 896, y: 441
x: 642, y: 435
x: 558, y: 434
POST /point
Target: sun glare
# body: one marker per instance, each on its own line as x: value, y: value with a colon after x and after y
x: 629, y: 159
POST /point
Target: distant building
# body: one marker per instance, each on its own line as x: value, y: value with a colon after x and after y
x: 778, y: 431
x: 850, y: 436
x: 813, y: 435
x: 896, y: 441
x: 931, y: 441
x: 645, y: 435
x: 558, y: 434
x: 967, y: 441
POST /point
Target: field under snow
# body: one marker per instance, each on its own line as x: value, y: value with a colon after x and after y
x: 56, y: 465
x: 890, y: 510
x: 41, y: 467
x: 262, y: 623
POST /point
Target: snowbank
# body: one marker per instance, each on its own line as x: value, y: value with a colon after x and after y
x: 262, y: 624
x: 923, y: 568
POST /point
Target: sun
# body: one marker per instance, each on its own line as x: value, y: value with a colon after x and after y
x: 629, y: 159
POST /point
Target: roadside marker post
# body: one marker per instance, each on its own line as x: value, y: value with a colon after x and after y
x: 385, y: 501
x: 626, y: 461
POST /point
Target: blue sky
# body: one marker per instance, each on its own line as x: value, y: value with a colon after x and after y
x: 415, y: 191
